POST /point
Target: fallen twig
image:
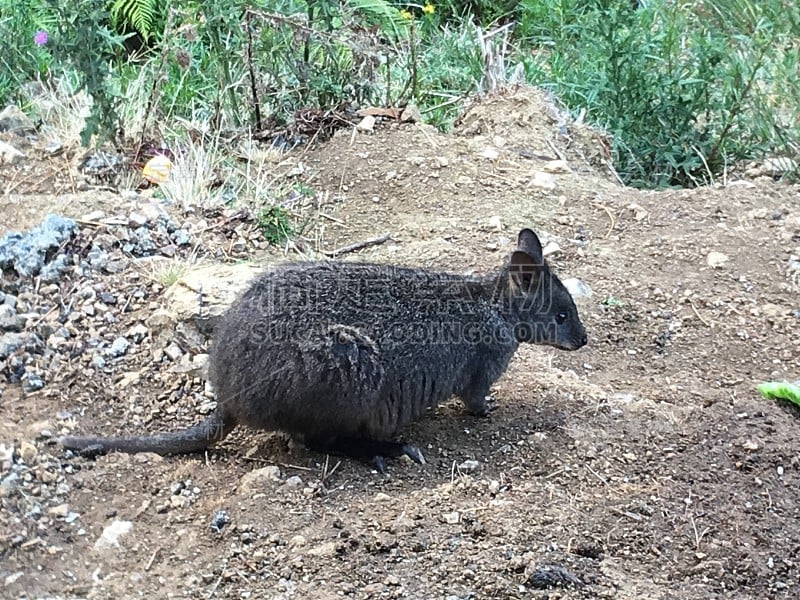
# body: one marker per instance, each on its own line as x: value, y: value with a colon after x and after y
x: 359, y: 245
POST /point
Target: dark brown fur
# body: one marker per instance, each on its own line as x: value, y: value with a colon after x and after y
x: 345, y: 354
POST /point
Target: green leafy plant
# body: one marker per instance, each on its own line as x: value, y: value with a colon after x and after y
x: 141, y: 14
x: 780, y: 390
x: 275, y: 224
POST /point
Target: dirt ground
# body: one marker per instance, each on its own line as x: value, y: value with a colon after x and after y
x: 645, y: 464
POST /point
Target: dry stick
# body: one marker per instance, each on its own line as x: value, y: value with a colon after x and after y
x: 359, y: 245
x: 610, y: 218
x: 558, y: 152
x: 256, y: 105
x: 152, y: 558
x: 698, y: 314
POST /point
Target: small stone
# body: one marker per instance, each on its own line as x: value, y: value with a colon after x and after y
x: 326, y: 549
x: 780, y: 471
x: 411, y: 114
x: 27, y: 451
x: 219, y: 521
x: 181, y: 237
x: 173, y: 352
x: 577, y: 289
x: 382, y: 497
x: 118, y: 347
x: 297, y: 541
x: 556, y: 166
x: 137, y: 333
x: 452, y: 517
x: 469, y: 466
x: 136, y: 220
x: 294, y: 481
x: 9, y: 484
x: 366, y: 124
x: 543, y: 181
x: 259, y: 480
x: 10, y: 320
x: 551, y: 248
x: 98, y: 362
x: 392, y: 580
x: 489, y: 153
x: 58, y: 511
x: 494, y: 486
x: 13, y: 578
x: 750, y: 445
x: 107, y: 298
x: 9, y: 154
x: 716, y: 260
x: 112, y: 534
x: 32, y: 382
x: 495, y: 223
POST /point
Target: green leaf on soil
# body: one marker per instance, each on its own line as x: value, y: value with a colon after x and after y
x: 775, y: 390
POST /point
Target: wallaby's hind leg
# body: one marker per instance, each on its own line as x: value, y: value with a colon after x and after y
x: 367, y: 449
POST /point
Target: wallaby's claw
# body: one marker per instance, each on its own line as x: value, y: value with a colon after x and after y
x: 414, y: 454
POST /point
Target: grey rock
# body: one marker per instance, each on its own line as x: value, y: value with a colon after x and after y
x: 12, y: 341
x: 32, y: 382
x: 181, y: 237
x: 98, y: 361
x: 219, y: 521
x: 26, y: 253
x: 12, y: 119
x: 10, y: 484
x: 10, y: 320
x: 118, y: 347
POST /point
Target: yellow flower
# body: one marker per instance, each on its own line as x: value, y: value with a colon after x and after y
x: 406, y: 14
x: 428, y: 9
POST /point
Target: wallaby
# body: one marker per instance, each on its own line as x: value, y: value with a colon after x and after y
x: 345, y: 354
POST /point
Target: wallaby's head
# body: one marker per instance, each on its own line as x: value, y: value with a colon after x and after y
x: 541, y: 306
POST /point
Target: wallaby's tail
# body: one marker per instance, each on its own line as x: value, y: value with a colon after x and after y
x: 192, y: 439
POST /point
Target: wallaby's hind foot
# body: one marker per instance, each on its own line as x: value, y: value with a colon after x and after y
x: 366, y: 449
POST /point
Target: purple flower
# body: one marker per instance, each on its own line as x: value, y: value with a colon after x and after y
x: 40, y: 38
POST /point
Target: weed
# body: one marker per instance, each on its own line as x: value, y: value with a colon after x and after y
x: 275, y: 224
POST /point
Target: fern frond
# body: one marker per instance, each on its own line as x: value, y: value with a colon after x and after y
x: 141, y: 14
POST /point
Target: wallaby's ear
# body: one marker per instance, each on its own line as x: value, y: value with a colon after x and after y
x: 524, y: 270
x: 529, y: 243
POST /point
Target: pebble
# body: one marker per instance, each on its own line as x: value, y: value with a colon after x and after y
x: 118, y: 347
x: 9, y: 484
x: 181, y: 237
x: 27, y: 451
x: 452, y: 517
x: 716, y: 260
x: 294, y: 481
x: 10, y: 320
x: 258, y: 480
x: 60, y: 510
x: 32, y: 382
x: 173, y: 351
x: 112, y: 534
x: 577, y: 289
x: 98, y: 361
x: 469, y: 466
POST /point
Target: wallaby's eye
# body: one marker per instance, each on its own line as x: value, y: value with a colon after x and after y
x: 561, y: 317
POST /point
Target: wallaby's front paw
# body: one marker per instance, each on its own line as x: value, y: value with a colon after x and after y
x: 488, y: 405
